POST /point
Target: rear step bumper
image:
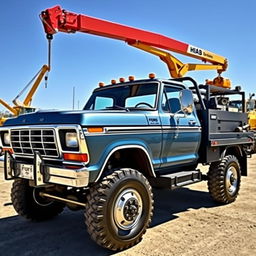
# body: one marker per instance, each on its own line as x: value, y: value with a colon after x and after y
x: 178, y: 179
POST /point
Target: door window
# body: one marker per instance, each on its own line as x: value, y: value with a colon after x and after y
x: 171, y: 102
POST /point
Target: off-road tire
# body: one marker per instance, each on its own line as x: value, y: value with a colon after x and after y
x: 101, y: 210
x: 220, y: 181
x: 22, y: 196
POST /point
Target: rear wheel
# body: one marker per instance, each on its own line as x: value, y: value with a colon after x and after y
x: 28, y: 203
x: 224, y: 179
x: 119, y: 209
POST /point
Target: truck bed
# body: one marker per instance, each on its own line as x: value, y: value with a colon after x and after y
x: 219, y: 129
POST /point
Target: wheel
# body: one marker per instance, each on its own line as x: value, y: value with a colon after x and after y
x: 143, y: 103
x: 119, y: 209
x: 27, y: 202
x: 224, y: 180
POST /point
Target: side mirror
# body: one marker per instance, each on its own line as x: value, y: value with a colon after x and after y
x: 186, y: 101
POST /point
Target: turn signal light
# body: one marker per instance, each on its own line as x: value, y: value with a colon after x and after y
x: 75, y: 157
x: 151, y: 75
x: 214, y: 143
x: 131, y: 78
x: 8, y: 149
x: 95, y: 129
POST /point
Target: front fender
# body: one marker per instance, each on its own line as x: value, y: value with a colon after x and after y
x: 100, y: 156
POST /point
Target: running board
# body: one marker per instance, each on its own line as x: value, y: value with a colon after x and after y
x: 175, y: 180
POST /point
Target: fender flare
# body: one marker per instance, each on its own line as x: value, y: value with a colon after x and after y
x: 228, y: 147
x: 126, y: 147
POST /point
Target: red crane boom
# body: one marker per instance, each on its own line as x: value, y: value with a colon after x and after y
x: 55, y: 19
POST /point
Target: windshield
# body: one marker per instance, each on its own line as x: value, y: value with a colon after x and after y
x: 133, y: 96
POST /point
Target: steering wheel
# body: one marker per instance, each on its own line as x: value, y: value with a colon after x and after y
x: 143, y: 103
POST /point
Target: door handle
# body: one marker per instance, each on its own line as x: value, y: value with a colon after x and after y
x: 191, y: 122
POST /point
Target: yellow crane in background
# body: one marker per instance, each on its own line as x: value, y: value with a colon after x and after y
x: 25, y: 106
x: 251, y: 110
x: 250, y: 105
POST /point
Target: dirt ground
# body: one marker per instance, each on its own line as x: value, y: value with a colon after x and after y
x: 186, y: 222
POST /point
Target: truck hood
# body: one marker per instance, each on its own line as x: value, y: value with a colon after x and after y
x: 83, y: 118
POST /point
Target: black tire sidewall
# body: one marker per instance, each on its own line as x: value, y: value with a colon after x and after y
x: 232, y: 162
x: 123, y: 184
x: 25, y: 205
x: 217, y: 179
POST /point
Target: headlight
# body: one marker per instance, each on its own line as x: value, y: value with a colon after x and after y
x: 71, y: 140
x: 7, y: 139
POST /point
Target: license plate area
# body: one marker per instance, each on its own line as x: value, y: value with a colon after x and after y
x: 26, y: 171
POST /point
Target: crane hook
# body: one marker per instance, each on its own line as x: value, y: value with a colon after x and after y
x: 49, y: 38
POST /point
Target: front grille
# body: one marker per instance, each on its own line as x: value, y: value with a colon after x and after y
x: 27, y: 141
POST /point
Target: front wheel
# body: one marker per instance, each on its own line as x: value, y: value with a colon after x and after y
x: 224, y: 180
x: 119, y: 209
x: 29, y: 204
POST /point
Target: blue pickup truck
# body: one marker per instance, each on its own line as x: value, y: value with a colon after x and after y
x: 130, y: 136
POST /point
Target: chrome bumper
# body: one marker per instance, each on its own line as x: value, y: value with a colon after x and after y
x: 44, y: 174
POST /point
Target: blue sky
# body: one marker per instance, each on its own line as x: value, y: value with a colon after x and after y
x: 225, y: 27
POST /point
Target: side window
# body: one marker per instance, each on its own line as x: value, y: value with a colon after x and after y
x: 103, y: 102
x: 171, y: 102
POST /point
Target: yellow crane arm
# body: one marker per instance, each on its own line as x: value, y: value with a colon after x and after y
x: 28, y: 99
x: 175, y: 66
x: 18, y: 106
x: 6, y: 105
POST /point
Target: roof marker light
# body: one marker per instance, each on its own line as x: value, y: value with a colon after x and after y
x: 151, y: 75
x: 113, y: 81
x: 121, y: 79
x: 131, y: 78
x: 101, y: 84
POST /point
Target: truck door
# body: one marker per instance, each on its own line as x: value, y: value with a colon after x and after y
x: 181, y: 133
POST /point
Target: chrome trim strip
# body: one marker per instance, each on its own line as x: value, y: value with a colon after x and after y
x: 126, y: 147
x: 142, y: 129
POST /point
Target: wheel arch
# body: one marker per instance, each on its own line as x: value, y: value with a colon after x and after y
x: 237, y: 151
x: 146, y: 167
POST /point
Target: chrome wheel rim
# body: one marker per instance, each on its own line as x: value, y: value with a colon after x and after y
x: 128, y: 209
x: 231, y: 180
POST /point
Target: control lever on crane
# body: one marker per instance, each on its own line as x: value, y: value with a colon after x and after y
x: 57, y: 20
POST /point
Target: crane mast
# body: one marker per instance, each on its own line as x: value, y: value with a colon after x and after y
x: 23, y: 107
x: 57, y: 20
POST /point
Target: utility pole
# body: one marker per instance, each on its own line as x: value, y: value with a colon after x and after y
x: 73, y: 97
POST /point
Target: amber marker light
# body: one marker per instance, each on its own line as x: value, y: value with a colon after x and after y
x: 10, y: 150
x: 113, y: 81
x: 101, y: 84
x: 151, y: 75
x: 75, y: 157
x: 131, y: 78
x: 121, y: 79
x: 95, y: 129
x: 214, y: 143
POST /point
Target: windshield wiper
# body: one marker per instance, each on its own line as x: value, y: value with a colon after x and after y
x: 119, y: 107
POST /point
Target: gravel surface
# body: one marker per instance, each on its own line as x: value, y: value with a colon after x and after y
x: 186, y: 222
